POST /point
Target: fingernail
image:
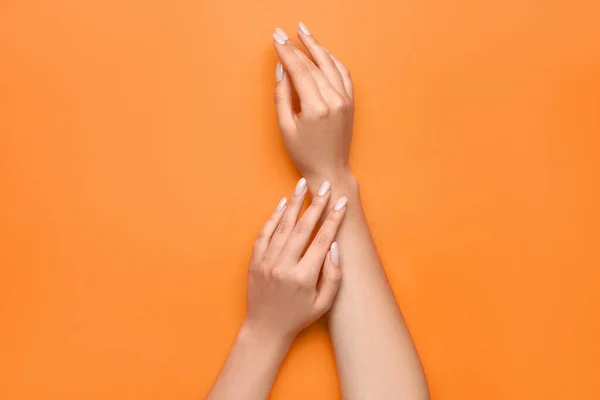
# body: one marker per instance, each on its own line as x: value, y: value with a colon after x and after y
x: 341, y: 203
x: 278, y: 38
x: 281, y: 204
x: 335, y: 253
x: 300, y: 186
x: 324, y: 188
x: 304, y: 29
x: 281, y: 33
x: 279, y: 72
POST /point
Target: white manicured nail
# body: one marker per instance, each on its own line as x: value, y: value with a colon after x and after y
x: 341, y: 203
x: 304, y: 29
x: 281, y: 33
x: 300, y: 187
x: 279, y: 72
x: 278, y: 38
x: 281, y: 204
x: 324, y: 188
x: 335, y: 253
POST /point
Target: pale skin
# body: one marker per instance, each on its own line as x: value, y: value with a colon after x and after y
x: 375, y: 354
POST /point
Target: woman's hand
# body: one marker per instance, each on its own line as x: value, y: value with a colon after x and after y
x: 318, y: 138
x: 288, y: 289
x: 285, y: 293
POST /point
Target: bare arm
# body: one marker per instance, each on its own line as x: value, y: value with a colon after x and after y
x: 251, y: 368
x: 375, y: 355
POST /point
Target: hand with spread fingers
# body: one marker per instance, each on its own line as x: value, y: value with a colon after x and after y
x: 318, y: 137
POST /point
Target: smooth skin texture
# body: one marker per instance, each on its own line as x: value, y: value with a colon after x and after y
x: 286, y: 291
x: 375, y: 355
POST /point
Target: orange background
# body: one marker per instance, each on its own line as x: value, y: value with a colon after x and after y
x: 139, y: 155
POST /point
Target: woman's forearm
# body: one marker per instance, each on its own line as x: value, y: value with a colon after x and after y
x: 251, y: 367
x: 375, y: 355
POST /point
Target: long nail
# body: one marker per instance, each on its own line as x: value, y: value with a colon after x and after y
x: 279, y: 72
x: 281, y: 204
x: 300, y: 187
x: 278, y: 38
x: 324, y: 188
x: 281, y: 33
x: 341, y: 204
x: 335, y: 253
x: 304, y: 29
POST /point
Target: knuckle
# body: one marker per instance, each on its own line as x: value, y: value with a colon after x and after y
x: 301, y: 227
x: 299, y: 67
x: 282, y: 227
x: 322, y: 238
x: 338, y: 105
x: 303, y: 281
x: 319, y: 111
x: 276, y: 274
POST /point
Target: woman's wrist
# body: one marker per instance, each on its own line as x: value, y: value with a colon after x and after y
x: 269, y: 341
x: 341, y: 182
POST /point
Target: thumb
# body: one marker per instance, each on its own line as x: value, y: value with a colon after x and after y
x: 283, y: 100
x: 330, y: 281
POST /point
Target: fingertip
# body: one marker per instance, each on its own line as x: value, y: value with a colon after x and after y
x: 303, y: 29
x: 341, y: 203
x: 332, y: 271
x: 278, y: 39
x: 279, y: 72
x: 282, y: 34
x: 334, y: 254
x: 281, y: 205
